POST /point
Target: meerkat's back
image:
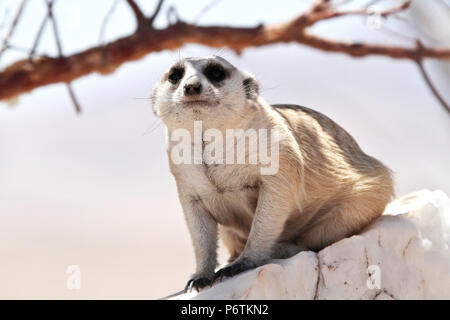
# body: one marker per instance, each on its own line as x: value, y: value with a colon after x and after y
x: 342, y: 183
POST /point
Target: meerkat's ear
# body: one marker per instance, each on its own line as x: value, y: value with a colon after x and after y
x: 251, y: 86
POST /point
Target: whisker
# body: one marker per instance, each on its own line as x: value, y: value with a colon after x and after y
x: 155, y: 125
x: 219, y: 52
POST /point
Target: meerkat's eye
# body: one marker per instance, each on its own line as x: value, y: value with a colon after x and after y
x: 176, y: 74
x: 215, y: 73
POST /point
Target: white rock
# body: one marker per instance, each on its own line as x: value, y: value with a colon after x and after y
x: 403, y: 255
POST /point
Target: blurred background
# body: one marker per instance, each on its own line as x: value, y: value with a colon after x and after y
x: 94, y: 190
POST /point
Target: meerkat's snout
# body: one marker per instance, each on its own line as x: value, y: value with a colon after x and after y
x: 192, y: 87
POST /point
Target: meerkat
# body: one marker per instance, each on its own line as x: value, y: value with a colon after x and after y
x: 325, y: 189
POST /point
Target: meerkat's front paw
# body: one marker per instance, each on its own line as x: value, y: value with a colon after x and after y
x: 238, y: 266
x: 198, y: 282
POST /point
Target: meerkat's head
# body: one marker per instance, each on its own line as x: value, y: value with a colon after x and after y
x: 202, y: 88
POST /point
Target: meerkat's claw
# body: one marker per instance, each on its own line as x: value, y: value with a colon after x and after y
x: 233, y: 269
x: 197, y: 284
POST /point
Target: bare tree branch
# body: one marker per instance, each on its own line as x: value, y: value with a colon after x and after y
x: 24, y: 75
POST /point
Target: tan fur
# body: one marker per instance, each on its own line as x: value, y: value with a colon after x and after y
x: 326, y: 187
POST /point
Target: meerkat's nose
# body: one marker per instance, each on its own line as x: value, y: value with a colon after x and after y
x: 192, y: 88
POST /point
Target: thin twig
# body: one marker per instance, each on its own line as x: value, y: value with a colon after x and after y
x: 38, y: 37
x: 143, y: 22
x: 138, y: 14
x: 106, y: 20
x: 55, y: 27
x: 156, y: 12
x: 414, y: 28
x: 13, y: 27
x: 73, y: 98
x: 205, y: 9
x: 427, y: 79
x: 444, y: 3
x: 325, y: 14
x: 371, y: 3
x: 396, y: 33
x: 17, y: 48
x: 172, y: 12
x: 432, y: 87
x: 4, y: 18
x: 50, y: 4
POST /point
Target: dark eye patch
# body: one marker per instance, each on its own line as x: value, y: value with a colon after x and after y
x: 215, y: 73
x: 176, y: 74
